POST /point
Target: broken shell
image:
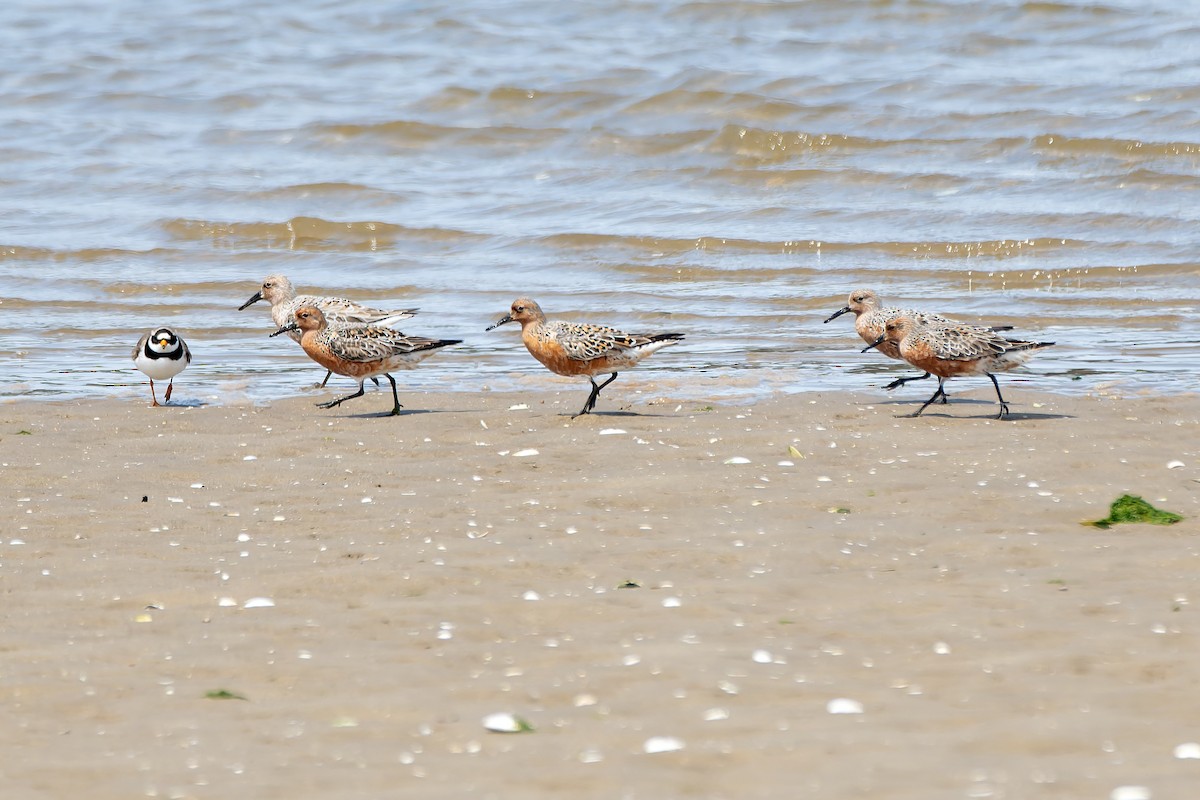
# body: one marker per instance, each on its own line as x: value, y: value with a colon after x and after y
x: 1187, y: 750
x: 1130, y: 793
x: 844, y: 705
x: 504, y: 722
x: 662, y: 744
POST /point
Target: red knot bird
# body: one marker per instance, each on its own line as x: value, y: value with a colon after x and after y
x: 870, y: 317
x: 571, y: 348
x: 281, y: 294
x: 162, y: 354
x: 951, y: 349
x: 359, y: 351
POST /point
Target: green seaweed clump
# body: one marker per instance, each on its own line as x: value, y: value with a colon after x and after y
x: 1128, y: 508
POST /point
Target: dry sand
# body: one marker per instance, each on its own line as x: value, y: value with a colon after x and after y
x: 425, y: 574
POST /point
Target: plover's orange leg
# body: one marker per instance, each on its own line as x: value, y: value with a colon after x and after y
x: 591, y: 401
x: 167, y: 396
x: 152, y: 395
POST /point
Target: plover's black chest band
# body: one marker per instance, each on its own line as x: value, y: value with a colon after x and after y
x: 150, y: 352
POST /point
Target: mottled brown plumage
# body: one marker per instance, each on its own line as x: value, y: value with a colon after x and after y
x: 281, y: 294
x: 572, y: 348
x: 870, y: 318
x: 949, y: 349
x: 359, y: 351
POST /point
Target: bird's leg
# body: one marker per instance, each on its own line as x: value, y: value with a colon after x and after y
x: 936, y: 395
x: 170, y: 386
x: 329, y: 374
x: 152, y: 396
x: 341, y: 400
x: 396, y: 397
x: 1003, y: 405
x: 591, y: 401
x: 896, y: 384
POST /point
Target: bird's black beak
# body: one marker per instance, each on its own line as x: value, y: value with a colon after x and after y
x: 258, y: 296
x: 284, y: 329
x: 872, y: 345
x: 499, y: 322
x: 831, y: 317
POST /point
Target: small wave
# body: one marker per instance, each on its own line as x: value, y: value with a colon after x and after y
x: 1122, y: 148
x: 407, y: 135
x: 997, y: 248
x: 778, y: 146
x: 306, y: 233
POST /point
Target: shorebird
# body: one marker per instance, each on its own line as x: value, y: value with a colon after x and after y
x: 951, y: 349
x: 870, y: 317
x: 281, y: 294
x: 162, y: 354
x: 359, y: 351
x: 569, y: 348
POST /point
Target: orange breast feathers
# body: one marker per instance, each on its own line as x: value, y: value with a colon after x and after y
x: 555, y: 358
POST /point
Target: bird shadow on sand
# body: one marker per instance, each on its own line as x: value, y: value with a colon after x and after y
x: 947, y: 411
x: 608, y: 414
x: 183, y: 403
x: 404, y: 412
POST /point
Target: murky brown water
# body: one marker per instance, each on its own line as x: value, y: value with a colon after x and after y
x: 727, y: 169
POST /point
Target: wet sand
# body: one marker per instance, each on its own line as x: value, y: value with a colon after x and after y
x: 629, y: 580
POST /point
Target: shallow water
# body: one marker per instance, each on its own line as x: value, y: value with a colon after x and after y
x: 730, y: 170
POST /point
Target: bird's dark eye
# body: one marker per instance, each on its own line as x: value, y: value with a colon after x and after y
x: 519, y: 309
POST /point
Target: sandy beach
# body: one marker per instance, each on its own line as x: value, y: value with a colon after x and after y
x: 276, y: 601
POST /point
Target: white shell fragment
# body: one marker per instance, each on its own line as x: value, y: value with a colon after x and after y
x: 259, y: 602
x: 525, y: 453
x: 227, y: 602
x: 662, y: 744
x: 1175, y: 465
x: 1187, y: 750
x: 1130, y: 793
x: 505, y: 722
x: 844, y: 705
x: 611, y: 432
x: 737, y: 460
